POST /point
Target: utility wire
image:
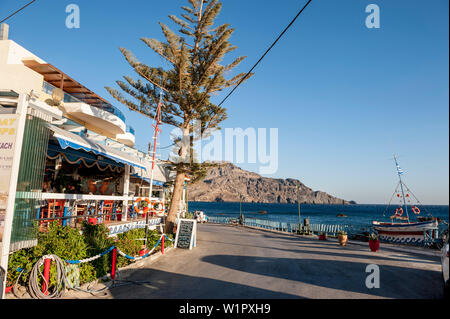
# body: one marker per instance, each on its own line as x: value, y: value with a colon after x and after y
x: 267, y: 51
x: 17, y: 11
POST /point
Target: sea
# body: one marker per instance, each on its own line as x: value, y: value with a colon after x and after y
x: 358, y: 216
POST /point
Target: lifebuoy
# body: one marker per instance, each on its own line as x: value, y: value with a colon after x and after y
x: 415, y: 210
x: 399, y: 211
x: 158, y: 207
x: 145, y: 209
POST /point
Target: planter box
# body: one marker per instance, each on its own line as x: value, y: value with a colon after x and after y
x: 343, y: 239
x: 322, y: 237
x: 374, y: 245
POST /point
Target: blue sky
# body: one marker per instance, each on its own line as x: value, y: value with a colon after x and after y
x: 344, y: 98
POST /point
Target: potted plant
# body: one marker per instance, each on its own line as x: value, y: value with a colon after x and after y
x: 374, y: 242
x: 342, y: 238
x: 323, y: 236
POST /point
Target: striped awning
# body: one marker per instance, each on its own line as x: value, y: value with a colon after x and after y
x: 70, y: 140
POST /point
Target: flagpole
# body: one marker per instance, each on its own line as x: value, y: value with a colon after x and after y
x: 155, y: 140
x: 401, y: 187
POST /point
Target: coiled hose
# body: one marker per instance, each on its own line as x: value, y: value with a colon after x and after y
x: 33, y: 283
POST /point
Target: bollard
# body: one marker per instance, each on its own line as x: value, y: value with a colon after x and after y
x: 113, y: 270
x: 162, y: 245
x: 47, y: 265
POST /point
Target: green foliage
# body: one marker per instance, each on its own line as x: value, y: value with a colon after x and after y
x: 65, y: 242
x: 373, y: 236
x: 192, y: 73
x: 189, y: 215
x: 132, y: 242
x: 96, y: 237
x: 71, y: 244
x: 341, y: 233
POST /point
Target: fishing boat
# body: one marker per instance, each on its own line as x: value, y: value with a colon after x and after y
x: 400, y: 228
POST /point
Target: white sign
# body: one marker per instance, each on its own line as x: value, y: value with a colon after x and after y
x: 8, y: 130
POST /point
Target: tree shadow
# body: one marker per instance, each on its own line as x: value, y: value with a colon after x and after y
x: 340, y: 252
x: 395, y: 282
x: 169, y: 285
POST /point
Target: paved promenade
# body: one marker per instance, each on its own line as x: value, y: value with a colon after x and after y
x: 236, y: 262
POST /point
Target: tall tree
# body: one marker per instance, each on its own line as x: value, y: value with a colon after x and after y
x: 195, y: 71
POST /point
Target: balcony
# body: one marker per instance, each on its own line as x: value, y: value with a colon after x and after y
x: 99, y: 115
x: 128, y: 138
x: 80, y: 103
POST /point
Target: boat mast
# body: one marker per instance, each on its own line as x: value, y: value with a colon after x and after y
x: 399, y: 173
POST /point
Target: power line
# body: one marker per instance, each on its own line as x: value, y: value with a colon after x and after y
x: 17, y: 11
x: 267, y: 51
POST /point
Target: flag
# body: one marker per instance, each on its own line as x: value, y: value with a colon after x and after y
x: 399, y: 170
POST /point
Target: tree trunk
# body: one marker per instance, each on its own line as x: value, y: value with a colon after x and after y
x: 174, y: 203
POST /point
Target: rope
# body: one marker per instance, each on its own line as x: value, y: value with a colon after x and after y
x: 35, y: 290
x: 33, y: 285
x: 389, y: 204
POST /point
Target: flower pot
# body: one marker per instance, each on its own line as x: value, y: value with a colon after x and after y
x: 374, y: 245
x: 342, y: 239
x: 322, y: 237
x: 92, y: 221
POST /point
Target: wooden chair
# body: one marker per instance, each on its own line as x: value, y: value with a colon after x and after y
x: 55, y: 208
x: 107, y: 210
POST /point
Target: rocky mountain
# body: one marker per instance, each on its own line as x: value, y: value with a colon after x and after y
x: 224, y: 183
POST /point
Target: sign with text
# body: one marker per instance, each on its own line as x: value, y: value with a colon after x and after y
x: 186, y: 233
x: 8, y: 132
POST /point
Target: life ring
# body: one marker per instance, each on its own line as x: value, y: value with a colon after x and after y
x: 145, y: 209
x: 399, y: 211
x: 415, y: 210
x: 158, y: 208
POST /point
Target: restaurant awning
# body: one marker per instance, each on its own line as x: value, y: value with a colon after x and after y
x: 74, y: 141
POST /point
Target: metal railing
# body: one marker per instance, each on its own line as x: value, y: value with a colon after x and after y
x: 130, y: 129
x: 81, y: 97
x: 330, y: 229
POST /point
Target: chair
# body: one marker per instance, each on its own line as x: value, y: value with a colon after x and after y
x: 54, y: 209
x: 107, y: 210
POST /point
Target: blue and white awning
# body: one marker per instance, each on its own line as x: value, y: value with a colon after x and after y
x: 74, y: 141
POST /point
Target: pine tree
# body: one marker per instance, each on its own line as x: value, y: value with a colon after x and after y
x: 195, y: 72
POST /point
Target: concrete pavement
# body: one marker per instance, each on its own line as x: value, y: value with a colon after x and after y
x: 235, y: 262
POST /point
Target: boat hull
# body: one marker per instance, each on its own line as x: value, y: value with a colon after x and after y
x: 404, y: 233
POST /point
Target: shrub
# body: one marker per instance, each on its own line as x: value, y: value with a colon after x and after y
x: 97, y: 240
x: 373, y: 236
x: 132, y: 242
x: 65, y: 242
x: 71, y: 244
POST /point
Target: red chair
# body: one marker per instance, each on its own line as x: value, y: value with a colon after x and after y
x: 55, y: 208
x: 107, y: 210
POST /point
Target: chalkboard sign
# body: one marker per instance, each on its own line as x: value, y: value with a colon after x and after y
x: 186, y: 233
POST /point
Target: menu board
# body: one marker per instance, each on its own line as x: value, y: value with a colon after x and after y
x: 186, y: 233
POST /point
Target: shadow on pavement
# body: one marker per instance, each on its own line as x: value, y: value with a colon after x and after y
x: 395, y: 282
x: 169, y: 285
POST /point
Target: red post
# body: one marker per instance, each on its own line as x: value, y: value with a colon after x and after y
x: 162, y: 244
x: 113, y: 270
x: 47, y: 265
